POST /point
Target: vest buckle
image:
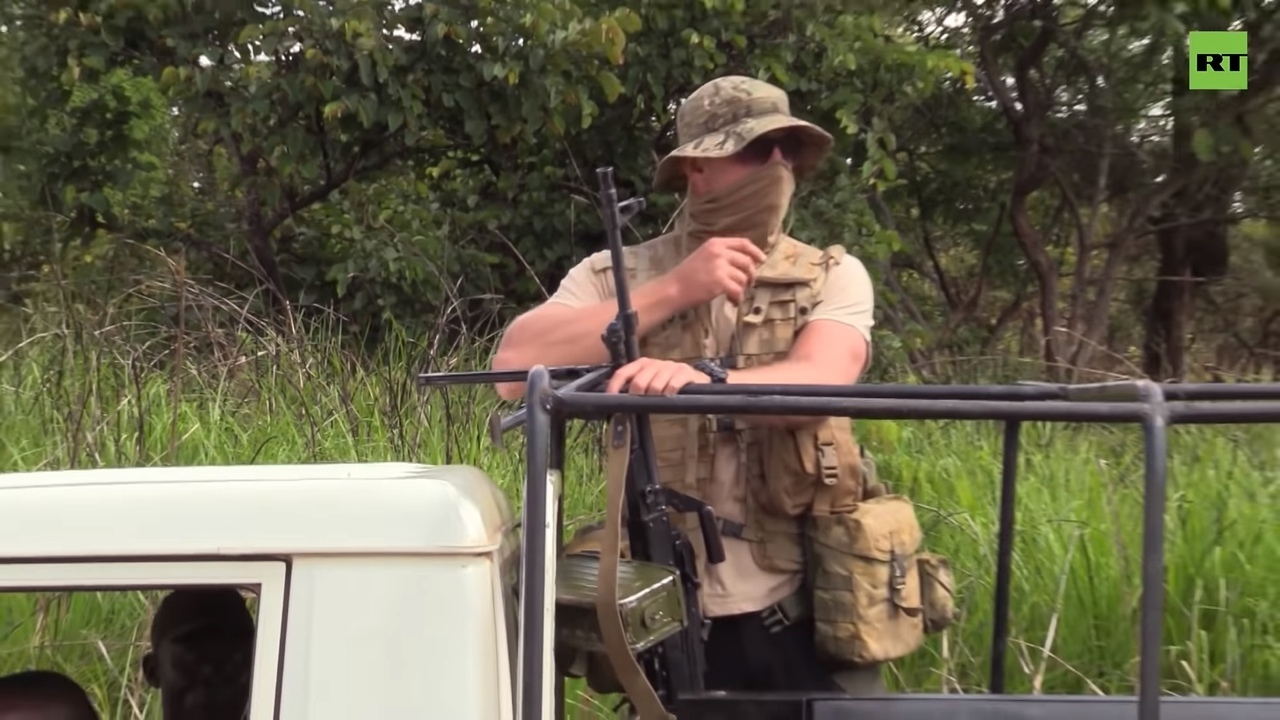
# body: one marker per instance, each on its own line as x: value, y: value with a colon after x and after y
x: 731, y: 528
x: 830, y: 462
x: 897, y: 572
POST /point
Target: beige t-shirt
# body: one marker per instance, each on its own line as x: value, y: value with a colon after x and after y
x: 738, y: 585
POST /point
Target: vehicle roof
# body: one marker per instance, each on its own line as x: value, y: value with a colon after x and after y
x: 343, y: 508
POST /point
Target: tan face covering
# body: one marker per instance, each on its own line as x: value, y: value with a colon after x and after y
x: 753, y: 207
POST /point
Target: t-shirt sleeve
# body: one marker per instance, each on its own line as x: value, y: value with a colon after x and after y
x: 848, y: 297
x: 583, y: 285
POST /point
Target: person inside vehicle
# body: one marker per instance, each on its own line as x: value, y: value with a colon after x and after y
x: 43, y: 695
x: 201, y: 656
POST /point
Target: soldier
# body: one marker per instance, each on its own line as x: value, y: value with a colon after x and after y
x: 728, y: 282
x: 43, y: 695
x: 201, y: 656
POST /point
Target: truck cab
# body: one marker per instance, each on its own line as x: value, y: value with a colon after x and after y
x: 377, y: 590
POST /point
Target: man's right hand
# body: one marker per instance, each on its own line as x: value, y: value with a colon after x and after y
x: 720, y: 266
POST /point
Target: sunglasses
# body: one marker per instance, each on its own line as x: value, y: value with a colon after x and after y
x: 760, y: 150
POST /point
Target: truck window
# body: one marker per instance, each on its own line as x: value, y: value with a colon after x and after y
x: 143, y: 646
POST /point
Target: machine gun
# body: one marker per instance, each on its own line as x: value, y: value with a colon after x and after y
x: 662, y: 570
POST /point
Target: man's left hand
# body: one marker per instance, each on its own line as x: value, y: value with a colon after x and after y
x: 649, y: 376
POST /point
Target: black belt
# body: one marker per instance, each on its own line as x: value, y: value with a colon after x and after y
x: 786, y: 612
x: 776, y: 617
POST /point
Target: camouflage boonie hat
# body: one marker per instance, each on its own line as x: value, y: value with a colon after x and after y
x: 724, y: 115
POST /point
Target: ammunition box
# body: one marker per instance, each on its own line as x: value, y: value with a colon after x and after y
x: 650, y: 602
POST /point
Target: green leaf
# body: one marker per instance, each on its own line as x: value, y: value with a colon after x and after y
x: 610, y: 84
x: 334, y: 110
x: 169, y: 77
x: 889, y: 168
x: 366, y: 70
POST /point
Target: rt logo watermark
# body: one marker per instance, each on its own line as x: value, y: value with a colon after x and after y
x: 1219, y: 60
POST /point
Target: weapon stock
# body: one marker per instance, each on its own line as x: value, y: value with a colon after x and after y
x: 559, y: 373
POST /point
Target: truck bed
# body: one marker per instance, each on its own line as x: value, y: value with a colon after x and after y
x: 751, y: 706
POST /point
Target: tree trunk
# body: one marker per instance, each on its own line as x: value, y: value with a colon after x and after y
x: 1192, y: 239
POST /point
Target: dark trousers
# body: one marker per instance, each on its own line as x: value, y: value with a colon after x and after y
x: 743, y: 654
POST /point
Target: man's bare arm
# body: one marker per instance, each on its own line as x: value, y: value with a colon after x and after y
x: 557, y: 334
x: 826, y: 352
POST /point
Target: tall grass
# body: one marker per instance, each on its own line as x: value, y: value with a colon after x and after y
x: 97, y: 389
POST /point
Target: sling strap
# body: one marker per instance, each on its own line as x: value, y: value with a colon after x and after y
x: 635, y: 684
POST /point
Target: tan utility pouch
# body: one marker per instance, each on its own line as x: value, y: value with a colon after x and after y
x: 867, y: 601
x: 937, y: 592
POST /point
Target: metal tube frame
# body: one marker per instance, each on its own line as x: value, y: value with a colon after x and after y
x: 1152, y: 405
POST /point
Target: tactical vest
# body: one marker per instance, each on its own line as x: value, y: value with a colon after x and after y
x: 787, y: 471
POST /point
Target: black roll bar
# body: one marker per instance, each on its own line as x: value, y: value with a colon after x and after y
x: 532, y: 670
x: 1004, y: 554
x: 1130, y: 401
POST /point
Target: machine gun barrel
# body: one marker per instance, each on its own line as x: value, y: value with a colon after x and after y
x: 500, y: 425
x: 560, y: 373
x: 625, y: 333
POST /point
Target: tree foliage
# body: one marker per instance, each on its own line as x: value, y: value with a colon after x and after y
x: 1024, y: 179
